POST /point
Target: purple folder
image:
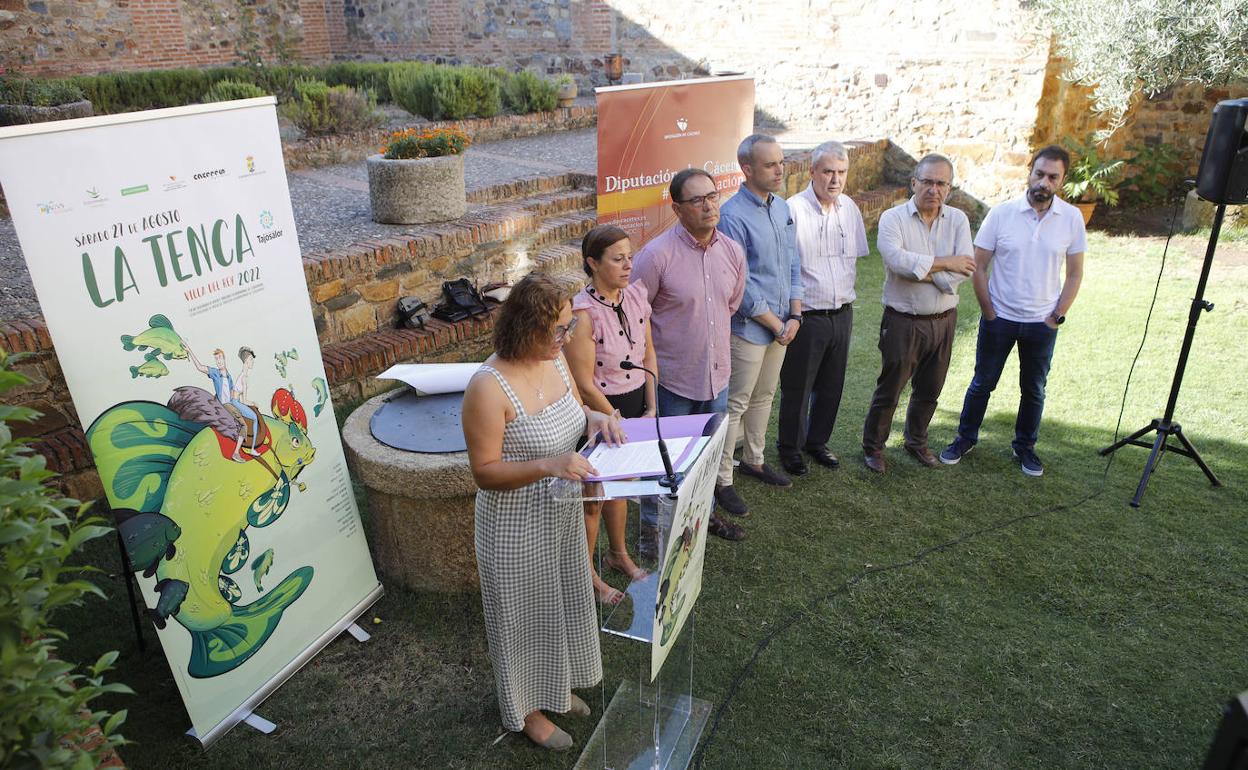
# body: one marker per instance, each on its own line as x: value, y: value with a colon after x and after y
x: 642, y: 429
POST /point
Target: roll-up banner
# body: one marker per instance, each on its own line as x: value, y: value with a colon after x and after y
x: 163, y: 251
x: 650, y: 131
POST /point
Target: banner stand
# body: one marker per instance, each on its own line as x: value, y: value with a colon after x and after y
x: 257, y: 722
x: 136, y: 617
x: 246, y: 712
x: 163, y: 250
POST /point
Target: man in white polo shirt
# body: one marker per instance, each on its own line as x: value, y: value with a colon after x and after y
x: 1019, y: 254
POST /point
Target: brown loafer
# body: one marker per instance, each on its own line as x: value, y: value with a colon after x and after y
x: 874, y: 461
x: 721, y: 527
x: 923, y: 455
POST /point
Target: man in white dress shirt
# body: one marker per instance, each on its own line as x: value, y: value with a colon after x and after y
x: 927, y: 253
x: 830, y: 239
x: 1019, y: 253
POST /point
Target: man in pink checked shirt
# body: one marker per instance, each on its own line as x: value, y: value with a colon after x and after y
x: 695, y: 276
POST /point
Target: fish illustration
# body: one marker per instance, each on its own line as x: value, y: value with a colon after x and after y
x: 283, y: 357
x: 169, y: 602
x: 148, y: 538
x: 155, y: 460
x: 322, y: 395
x: 159, y: 337
x: 670, y: 599
x: 151, y: 367
x: 260, y: 567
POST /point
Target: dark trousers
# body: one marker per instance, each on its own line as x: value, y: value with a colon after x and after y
x: 811, y: 381
x: 1035, y: 352
x: 913, y: 349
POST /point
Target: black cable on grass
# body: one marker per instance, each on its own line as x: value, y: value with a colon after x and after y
x: 801, y: 614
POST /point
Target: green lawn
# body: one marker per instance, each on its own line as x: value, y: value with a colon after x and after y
x: 1086, y: 634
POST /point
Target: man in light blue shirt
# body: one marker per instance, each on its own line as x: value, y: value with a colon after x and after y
x: 770, y: 312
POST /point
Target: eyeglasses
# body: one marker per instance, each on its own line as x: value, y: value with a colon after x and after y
x: 939, y: 184
x: 562, y: 333
x: 710, y: 197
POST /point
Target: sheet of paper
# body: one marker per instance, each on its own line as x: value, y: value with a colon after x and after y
x: 636, y: 458
x: 691, y: 453
x: 431, y: 379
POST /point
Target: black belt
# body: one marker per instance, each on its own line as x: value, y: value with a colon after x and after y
x: 932, y: 317
x: 838, y: 311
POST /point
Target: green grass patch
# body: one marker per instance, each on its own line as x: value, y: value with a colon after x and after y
x: 1092, y: 635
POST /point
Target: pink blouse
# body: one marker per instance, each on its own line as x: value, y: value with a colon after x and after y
x: 611, y: 344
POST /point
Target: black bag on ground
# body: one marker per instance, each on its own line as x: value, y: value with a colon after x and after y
x: 461, y: 301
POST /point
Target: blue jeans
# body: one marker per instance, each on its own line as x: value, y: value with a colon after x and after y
x: 674, y: 405
x: 1035, y: 352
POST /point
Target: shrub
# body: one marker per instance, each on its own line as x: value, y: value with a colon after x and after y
x: 525, y: 92
x: 446, y: 93
x: 43, y: 699
x: 229, y: 90
x: 365, y: 76
x: 413, y: 143
x: 407, y: 86
x: 482, y: 89
x: 318, y: 108
x: 1153, y: 174
x: 38, y: 93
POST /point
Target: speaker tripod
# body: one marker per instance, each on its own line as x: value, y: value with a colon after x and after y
x: 1166, y: 426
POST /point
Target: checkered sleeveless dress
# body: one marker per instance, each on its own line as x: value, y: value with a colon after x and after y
x: 538, y: 598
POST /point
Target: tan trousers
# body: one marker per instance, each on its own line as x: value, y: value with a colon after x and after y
x: 751, y: 388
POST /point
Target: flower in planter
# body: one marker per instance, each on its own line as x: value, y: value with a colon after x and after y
x: 415, y: 143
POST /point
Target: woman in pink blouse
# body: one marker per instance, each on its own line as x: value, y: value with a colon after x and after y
x: 617, y: 316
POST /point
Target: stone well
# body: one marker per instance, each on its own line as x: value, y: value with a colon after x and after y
x: 421, y: 507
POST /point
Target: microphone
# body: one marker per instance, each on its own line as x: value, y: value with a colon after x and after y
x: 671, y: 481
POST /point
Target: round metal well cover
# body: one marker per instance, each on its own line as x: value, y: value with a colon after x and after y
x: 420, y: 423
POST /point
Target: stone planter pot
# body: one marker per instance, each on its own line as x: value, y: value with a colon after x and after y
x: 409, y: 192
x: 567, y: 94
x: 1086, y: 209
x: 21, y: 114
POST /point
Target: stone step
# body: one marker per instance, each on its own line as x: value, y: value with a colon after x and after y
x: 560, y: 258
x: 519, y: 189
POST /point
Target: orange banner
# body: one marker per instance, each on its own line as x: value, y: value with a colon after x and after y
x: 649, y: 132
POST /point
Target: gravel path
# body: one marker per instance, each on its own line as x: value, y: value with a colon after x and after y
x: 331, y: 202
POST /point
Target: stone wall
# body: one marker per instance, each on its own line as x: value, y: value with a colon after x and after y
x: 1178, y: 117
x: 975, y: 81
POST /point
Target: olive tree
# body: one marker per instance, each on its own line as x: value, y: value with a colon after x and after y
x: 1123, y: 47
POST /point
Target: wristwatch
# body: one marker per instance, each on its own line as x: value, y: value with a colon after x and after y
x: 794, y: 317
x: 1057, y: 319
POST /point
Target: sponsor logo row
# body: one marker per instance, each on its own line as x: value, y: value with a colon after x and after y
x: 94, y: 196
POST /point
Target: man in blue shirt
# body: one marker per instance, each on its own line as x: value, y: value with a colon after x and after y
x: 770, y: 313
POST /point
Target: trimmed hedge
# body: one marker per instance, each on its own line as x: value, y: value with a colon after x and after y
x: 38, y: 93
x: 435, y: 91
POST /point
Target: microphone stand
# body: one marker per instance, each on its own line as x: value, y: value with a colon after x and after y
x: 671, y: 481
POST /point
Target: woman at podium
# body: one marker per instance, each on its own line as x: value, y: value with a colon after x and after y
x: 523, y: 418
x: 616, y: 318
